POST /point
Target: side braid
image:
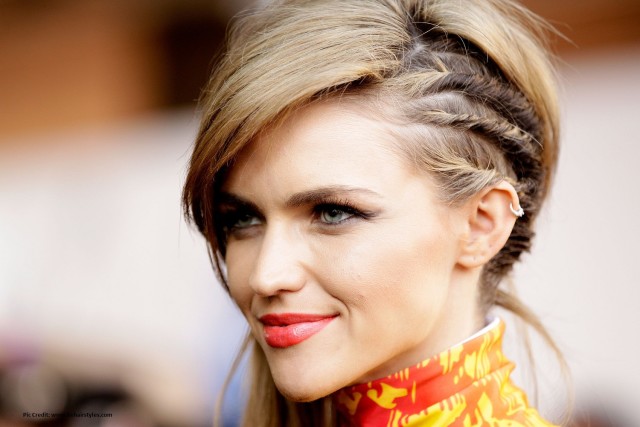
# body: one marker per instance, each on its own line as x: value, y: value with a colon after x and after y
x: 503, y: 141
x: 468, y: 92
x: 494, y: 93
x: 518, y: 146
x: 520, y: 150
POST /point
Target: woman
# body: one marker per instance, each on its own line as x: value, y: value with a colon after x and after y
x: 366, y: 173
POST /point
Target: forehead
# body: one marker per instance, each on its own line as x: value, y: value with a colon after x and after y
x: 327, y: 143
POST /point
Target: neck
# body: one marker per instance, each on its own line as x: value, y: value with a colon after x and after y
x: 467, y: 384
x: 460, y: 316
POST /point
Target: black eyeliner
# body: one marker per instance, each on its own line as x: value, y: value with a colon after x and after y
x: 343, y: 205
x: 229, y: 213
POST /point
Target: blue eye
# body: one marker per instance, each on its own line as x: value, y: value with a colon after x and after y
x: 236, y: 223
x: 334, y: 215
x: 245, y: 220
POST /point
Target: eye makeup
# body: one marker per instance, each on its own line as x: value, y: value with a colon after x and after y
x: 236, y: 217
x: 336, y: 211
x: 328, y: 209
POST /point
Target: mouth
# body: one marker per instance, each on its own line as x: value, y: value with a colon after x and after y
x: 288, y: 329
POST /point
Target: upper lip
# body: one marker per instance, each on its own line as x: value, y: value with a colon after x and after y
x: 284, y: 319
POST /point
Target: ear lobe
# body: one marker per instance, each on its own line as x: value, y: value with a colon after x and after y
x: 490, y: 221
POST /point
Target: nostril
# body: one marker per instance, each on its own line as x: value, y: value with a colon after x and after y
x: 271, y: 283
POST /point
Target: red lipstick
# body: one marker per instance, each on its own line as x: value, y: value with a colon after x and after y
x: 288, y: 329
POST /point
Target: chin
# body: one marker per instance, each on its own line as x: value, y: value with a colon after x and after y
x: 299, y: 391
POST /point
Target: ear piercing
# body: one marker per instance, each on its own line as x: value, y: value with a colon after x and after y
x: 517, y: 212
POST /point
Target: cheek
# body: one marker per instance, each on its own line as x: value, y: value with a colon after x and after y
x: 238, y: 271
x: 391, y: 270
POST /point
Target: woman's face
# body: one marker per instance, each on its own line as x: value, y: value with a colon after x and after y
x: 339, y: 253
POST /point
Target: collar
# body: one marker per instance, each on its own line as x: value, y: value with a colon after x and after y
x: 463, y: 386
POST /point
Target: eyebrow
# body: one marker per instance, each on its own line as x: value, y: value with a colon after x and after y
x: 233, y: 200
x: 319, y: 194
x: 302, y: 198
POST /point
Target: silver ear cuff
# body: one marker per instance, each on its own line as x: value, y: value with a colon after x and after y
x: 519, y: 212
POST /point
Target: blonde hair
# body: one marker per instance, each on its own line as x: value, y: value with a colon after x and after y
x: 468, y: 84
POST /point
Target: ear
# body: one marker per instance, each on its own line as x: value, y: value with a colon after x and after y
x: 489, y: 221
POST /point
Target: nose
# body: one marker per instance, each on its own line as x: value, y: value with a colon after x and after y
x: 278, y: 267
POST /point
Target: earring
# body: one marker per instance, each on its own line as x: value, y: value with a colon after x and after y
x: 519, y: 212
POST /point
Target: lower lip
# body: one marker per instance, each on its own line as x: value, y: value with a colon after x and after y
x: 287, y: 336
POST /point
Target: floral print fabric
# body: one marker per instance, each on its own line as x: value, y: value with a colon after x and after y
x: 466, y: 386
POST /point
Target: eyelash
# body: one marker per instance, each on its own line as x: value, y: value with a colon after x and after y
x: 341, y: 205
x: 229, y: 218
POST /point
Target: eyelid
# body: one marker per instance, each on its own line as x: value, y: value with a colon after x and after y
x: 231, y: 212
x: 342, y: 205
x: 321, y: 210
x: 229, y: 215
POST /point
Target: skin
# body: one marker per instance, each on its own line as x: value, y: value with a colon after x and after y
x: 397, y: 267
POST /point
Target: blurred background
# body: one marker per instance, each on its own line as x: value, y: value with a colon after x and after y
x: 108, y: 303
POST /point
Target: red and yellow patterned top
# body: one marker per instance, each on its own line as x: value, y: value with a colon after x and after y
x: 466, y: 386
